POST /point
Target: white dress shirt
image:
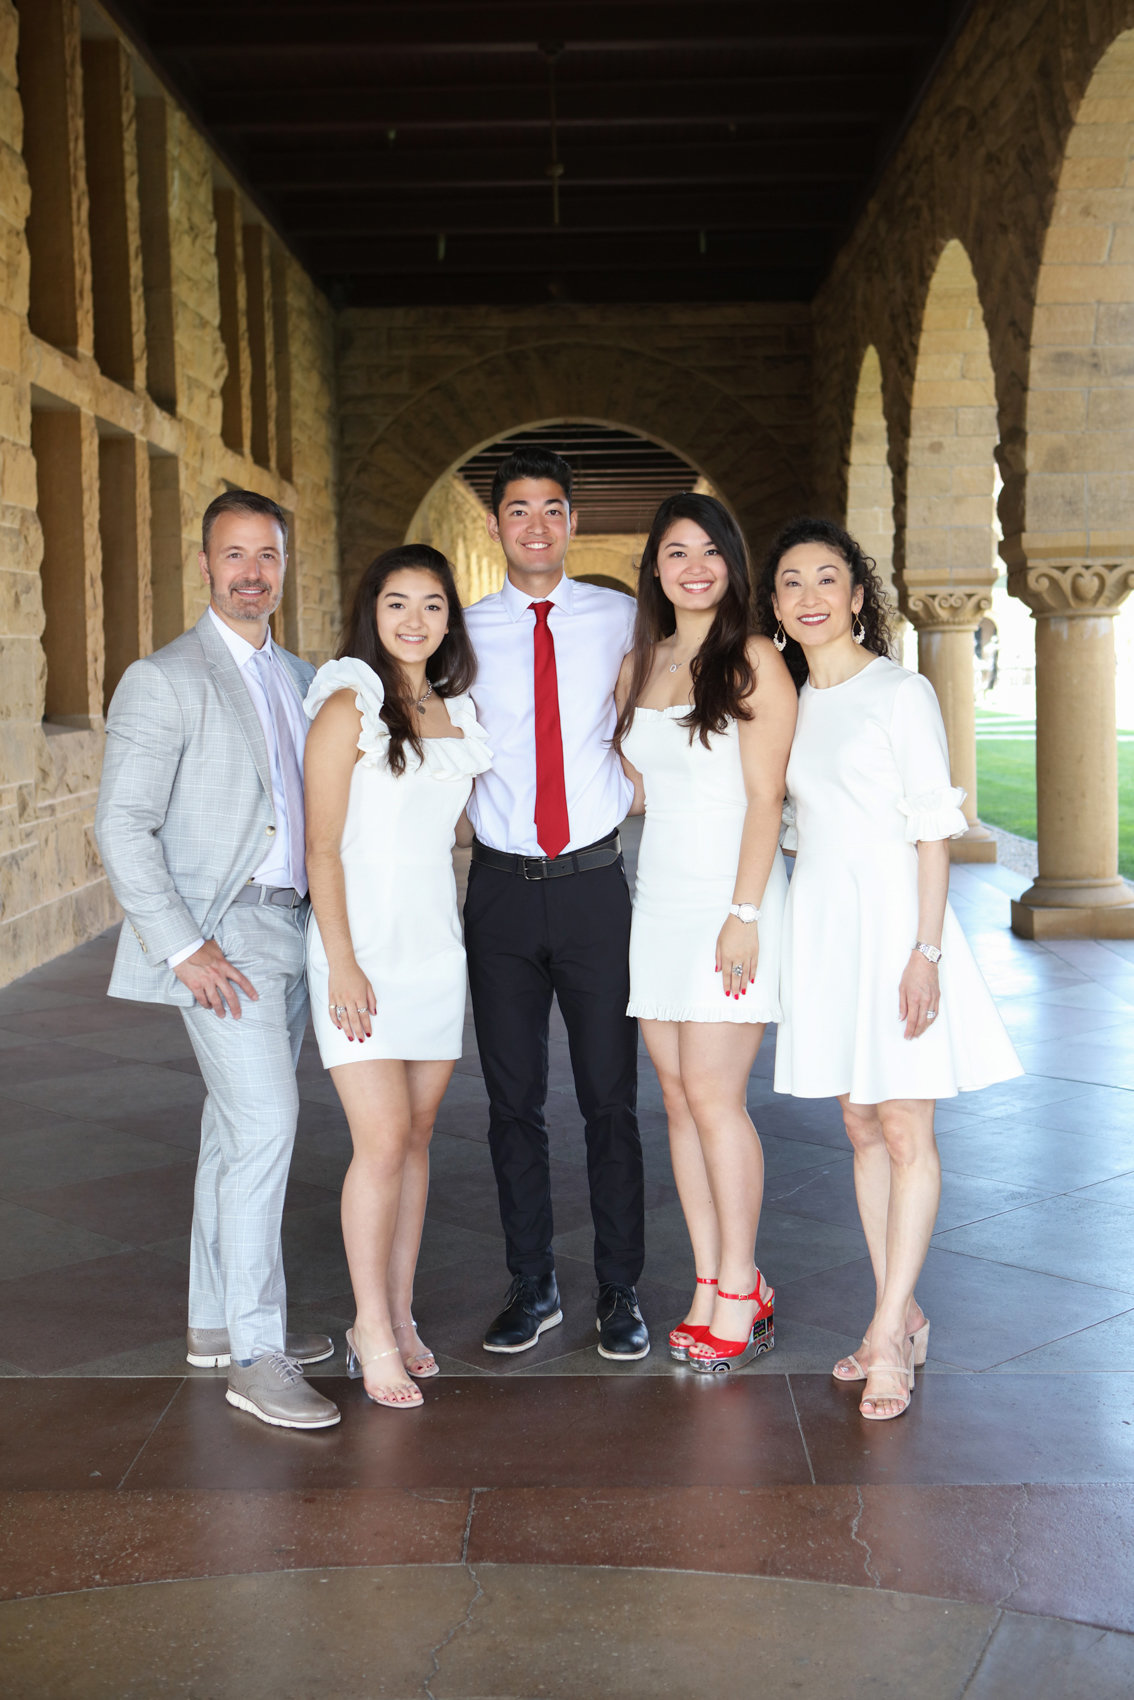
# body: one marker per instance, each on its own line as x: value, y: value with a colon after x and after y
x: 275, y: 869
x: 593, y: 629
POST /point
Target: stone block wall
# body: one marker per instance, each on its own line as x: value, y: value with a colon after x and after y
x: 420, y: 389
x: 113, y: 361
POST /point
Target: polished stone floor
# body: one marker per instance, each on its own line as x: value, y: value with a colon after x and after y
x: 556, y: 1525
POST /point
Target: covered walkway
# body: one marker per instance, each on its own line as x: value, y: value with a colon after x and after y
x: 496, y: 1542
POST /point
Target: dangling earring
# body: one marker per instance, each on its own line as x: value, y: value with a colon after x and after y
x: 780, y: 639
x: 859, y: 633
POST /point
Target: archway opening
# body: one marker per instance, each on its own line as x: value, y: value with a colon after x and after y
x: 950, y: 540
x: 620, y: 477
x: 870, y: 491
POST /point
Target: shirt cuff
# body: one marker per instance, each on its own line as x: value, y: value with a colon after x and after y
x: 181, y: 956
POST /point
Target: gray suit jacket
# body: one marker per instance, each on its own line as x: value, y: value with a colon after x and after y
x: 185, y: 810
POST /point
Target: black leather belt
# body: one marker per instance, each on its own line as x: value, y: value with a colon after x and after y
x: 601, y: 854
x: 279, y: 896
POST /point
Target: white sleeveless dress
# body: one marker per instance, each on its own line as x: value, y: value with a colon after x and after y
x: 401, y: 893
x: 868, y: 777
x: 695, y: 809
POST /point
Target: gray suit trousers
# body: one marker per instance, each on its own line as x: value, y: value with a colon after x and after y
x: 236, y: 1276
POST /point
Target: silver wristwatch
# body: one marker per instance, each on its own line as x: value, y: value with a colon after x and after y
x: 929, y: 951
x: 746, y: 912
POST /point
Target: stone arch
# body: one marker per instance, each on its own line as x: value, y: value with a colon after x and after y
x: 441, y: 424
x: 953, y: 435
x: 870, y: 485
x: 1079, y: 493
x: 1072, y: 558
x: 948, y: 558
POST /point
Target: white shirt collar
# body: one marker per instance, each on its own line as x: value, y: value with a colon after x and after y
x: 239, y: 648
x: 517, y: 603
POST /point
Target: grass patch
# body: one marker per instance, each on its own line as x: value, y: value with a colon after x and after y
x: 1006, y: 781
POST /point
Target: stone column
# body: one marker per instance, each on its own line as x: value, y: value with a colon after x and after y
x: 946, y: 620
x: 1078, y: 893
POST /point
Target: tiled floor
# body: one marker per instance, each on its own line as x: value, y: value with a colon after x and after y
x: 554, y: 1524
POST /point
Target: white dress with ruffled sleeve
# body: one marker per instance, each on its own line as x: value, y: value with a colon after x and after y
x: 869, y: 777
x: 401, y: 894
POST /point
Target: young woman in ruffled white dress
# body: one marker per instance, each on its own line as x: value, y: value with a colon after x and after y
x: 884, y: 1006
x: 706, y: 713
x: 390, y: 760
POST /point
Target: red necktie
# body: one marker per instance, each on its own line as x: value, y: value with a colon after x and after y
x: 552, y: 829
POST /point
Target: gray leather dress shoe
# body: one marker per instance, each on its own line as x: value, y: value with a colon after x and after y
x: 273, y: 1389
x: 207, y: 1348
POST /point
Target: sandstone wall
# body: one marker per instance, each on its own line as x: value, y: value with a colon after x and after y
x: 112, y: 364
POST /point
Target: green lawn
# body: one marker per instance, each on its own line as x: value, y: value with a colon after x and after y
x: 1006, y: 780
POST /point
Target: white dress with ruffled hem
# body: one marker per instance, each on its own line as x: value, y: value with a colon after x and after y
x: 401, y: 894
x: 869, y: 777
x: 695, y: 807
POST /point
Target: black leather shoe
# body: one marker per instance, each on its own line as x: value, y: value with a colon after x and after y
x: 531, y: 1305
x: 622, y: 1333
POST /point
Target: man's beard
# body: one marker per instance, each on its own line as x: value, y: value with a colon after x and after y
x: 234, y: 606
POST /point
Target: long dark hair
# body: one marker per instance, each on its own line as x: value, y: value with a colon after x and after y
x: 721, y: 672
x: 875, y: 611
x: 451, y: 668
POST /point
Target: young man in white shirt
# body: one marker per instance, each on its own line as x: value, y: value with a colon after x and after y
x: 548, y: 908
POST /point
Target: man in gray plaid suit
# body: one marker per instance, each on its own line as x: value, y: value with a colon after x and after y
x: 200, y: 825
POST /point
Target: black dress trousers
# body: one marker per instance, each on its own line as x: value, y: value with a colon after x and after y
x: 527, y: 939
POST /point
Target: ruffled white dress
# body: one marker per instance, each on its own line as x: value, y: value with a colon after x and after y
x: 695, y: 809
x: 401, y: 893
x: 868, y: 777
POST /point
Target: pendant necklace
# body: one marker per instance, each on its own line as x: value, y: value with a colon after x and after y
x: 421, y: 701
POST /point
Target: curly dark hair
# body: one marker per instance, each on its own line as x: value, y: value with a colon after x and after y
x: 451, y: 668
x: 875, y: 612
x: 721, y: 672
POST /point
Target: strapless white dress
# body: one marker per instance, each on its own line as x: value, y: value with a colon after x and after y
x: 868, y: 777
x: 401, y: 893
x: 695, y: 809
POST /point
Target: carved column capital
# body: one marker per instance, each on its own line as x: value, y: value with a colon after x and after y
x: 947, y: 610
x: 1072, y: 588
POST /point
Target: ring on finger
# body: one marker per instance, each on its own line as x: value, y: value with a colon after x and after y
x: 737, y: 969
x: 931, y: 1015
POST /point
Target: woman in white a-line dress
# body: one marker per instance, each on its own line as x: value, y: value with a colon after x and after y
x: 884, y: 1006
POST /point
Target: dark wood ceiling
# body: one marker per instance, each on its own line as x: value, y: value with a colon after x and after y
x: 704, y: 150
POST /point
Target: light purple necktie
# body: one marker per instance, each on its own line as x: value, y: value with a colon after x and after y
x: 285, y: 762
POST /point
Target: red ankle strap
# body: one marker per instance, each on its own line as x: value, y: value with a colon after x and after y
x: 745, y: 1297
x: 706, y: 1280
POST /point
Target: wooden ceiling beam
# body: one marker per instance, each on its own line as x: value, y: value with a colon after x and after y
x: 196, y: 30
x: 716, y: 102
x: 845, y: 159
x: 379, y: 253
x: 656, y: 207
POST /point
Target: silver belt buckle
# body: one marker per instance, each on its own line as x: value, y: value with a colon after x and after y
x: 537, y: 862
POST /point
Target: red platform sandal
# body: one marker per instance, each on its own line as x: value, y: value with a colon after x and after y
x: 714, y: 1356
x: 687, y: 1334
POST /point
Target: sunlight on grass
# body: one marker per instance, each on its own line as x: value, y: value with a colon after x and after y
x: 1006, y: 780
